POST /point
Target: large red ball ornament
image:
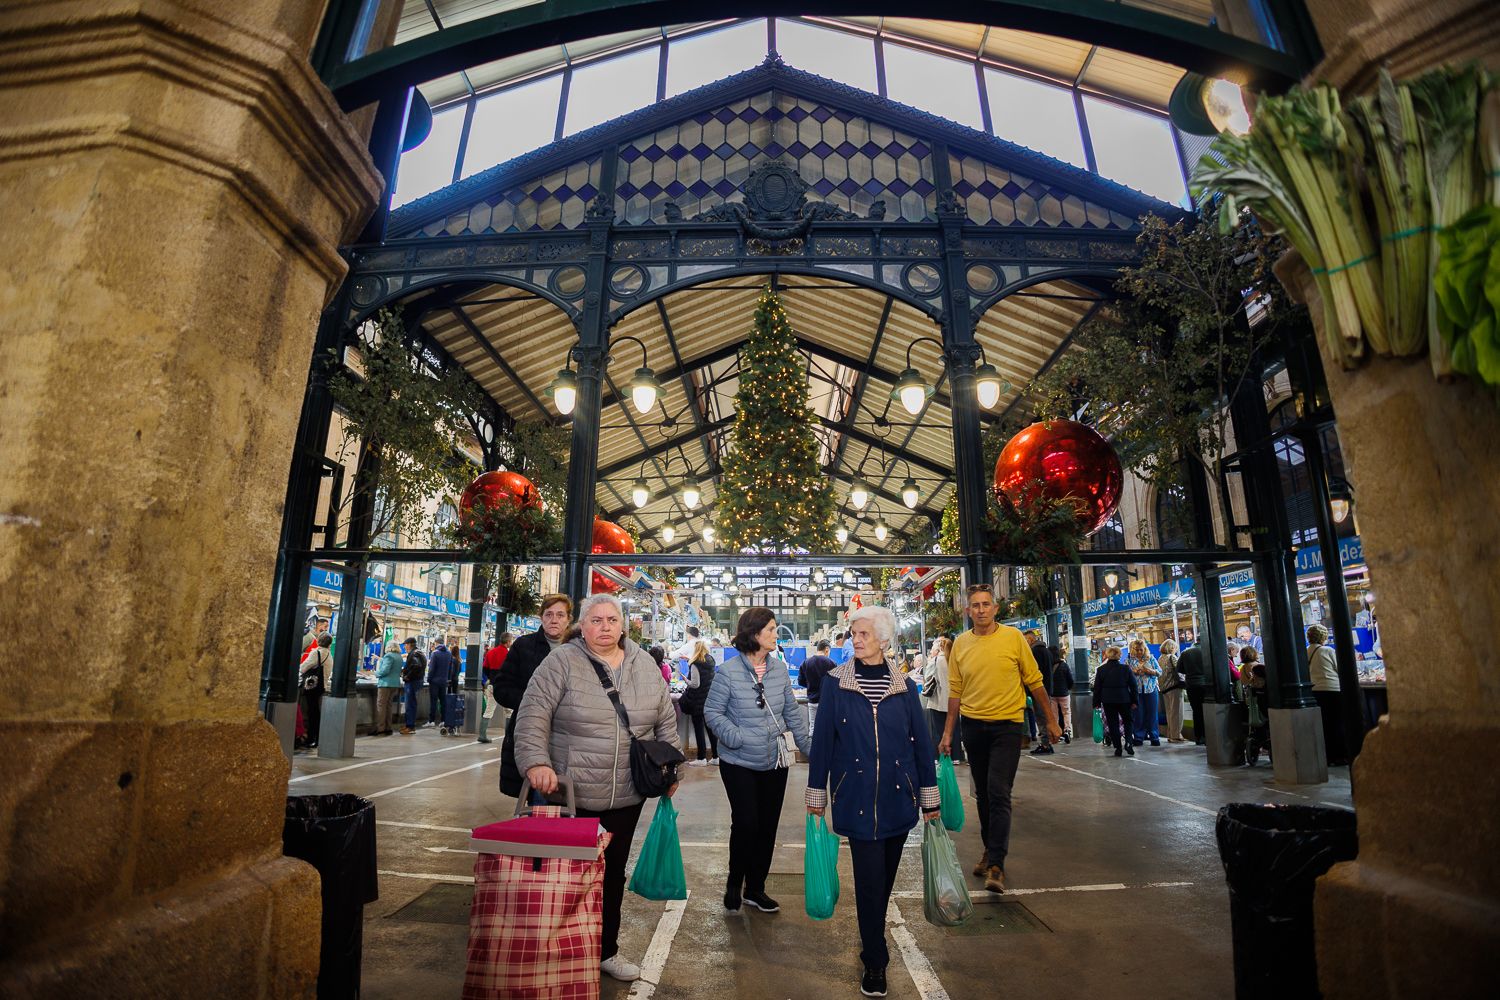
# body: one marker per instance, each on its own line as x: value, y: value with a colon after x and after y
x: 495, y: 488
x: 610, y: 538
x: 1062, y: 458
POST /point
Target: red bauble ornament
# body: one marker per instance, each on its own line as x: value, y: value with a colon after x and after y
x: 1061, y: 458
x: 610, y: 538
x: 495, y: 488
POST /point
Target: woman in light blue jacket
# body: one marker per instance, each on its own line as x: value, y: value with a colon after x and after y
x: 749, y: 707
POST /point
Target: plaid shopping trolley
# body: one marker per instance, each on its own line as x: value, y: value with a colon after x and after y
x: 538, y: 905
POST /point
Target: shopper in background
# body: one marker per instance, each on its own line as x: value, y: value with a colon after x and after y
x: 877, y: 783
x: 749, y: 708
x: 568, y: 725
x: 1117, y: 693
x: 313, y: 676
x: 1171, y: 691
x: 1192, y: 666
x: 1323, y: 667
x: 685, y: 651
x: 814, y: 669
x: 701, y: 669
x: 1043, y: 659
x: 1147, y: 672
x: 1062, y: 693
x: 387, y: 683
x: 526, y: 654
x: 1247, y: 637
x: 935, y: 694
x: 1253, y: 690
x: 439, y: 673
x: 494, y: 662
x: 413, y: 675
x: 659, y: 655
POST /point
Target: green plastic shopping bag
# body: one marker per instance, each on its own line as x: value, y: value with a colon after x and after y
x: 820, y: 869
x: 1098, y: 727
x: 952, y: 799
x: 658, y: 871
x: 945, y: 897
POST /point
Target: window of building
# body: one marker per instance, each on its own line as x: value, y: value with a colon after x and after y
x: 1174, y: 517
x: 429, y: 167
x: 837, y: 55
x: 512, y: 122
x: 1136, y: 149
x: 1035, y: 115
x: 933, y: 83
x: 700, y: 59
x: 1109, y: 538
x: 610, y: 88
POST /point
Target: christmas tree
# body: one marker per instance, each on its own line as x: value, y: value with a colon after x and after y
x: 773, y: 496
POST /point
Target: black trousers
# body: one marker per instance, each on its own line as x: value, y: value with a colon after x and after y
x: 312, y: 714
x: 875, y: 864
x: 1333, y: 727
x: 621, y: 824
x: 1117, y: 722
x: 1195, y: 696
x: 699, y: 728
x: 754, y: 813
x: 994, y: 750
x: 435, y: 703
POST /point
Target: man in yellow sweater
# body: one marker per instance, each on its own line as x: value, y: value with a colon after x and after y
x: 989, y: 671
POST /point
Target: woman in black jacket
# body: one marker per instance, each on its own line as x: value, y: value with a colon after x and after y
x: 526, y: 654
x: 701, y: 668
x: 1115, y: 691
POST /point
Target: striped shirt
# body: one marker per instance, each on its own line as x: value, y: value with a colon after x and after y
x: 874, y: 682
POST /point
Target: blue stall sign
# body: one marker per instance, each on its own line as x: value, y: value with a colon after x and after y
x: 379, y: 590
x: 1310, y: 559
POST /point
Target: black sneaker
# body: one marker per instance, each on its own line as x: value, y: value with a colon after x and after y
x: 1067, y: 737
x: 1130, y: 749
x: 873, y: 983
x: 758, y: 899
x: 1043, y: 749
x: 732, y: 900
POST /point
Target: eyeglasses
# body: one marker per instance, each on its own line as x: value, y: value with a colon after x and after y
x: 760, y: 694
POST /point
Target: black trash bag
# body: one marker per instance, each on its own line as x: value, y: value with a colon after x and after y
x: 1273, y: 855
x: 336, y: 835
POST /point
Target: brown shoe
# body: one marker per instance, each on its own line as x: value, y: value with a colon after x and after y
x: 983, y: 866
x: 994, y: 879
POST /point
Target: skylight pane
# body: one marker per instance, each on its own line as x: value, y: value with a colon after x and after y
x: 605, y: 90
x: 1035, y: 115
x: 430, y: 166
x: 692, y: 62
x: 837, y: 55
x: 1136, y: 149
x: 933, y: 83
x: 513, y: 122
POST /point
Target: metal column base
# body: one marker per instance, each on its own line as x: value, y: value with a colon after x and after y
x: 1221, y: 733
x: 282, y: 715
x: 1083, y: 716
x: 336, y: 732
x: 471, y: 711
x: 1297, y: 749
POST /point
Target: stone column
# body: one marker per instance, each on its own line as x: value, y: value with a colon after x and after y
x: 177, y: 182
x: 1416, y: 914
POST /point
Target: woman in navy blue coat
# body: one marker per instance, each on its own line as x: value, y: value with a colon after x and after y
x: 872, y: 747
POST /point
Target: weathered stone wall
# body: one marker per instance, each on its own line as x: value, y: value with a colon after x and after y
x: 176, y: 183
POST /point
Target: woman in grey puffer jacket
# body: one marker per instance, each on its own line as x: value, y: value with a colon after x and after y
x: 567, y: 724
x: 749, y: 706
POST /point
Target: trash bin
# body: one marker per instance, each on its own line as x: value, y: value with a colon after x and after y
x: 1273, y: 855
x: 336, y: 835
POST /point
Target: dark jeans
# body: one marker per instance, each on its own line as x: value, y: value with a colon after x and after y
x: 936, y: 722
x: 436, y: 702
x: 1146, y: 714
x: 875, y: 864
x: 994, y: 750
x: 1333, y: 727
x: 312, y: 713
x: 1116, y: 724
x: 754, y: 813
x: 699, y: 728
x: 621, y: 824
x: 409, y: 697
x: 1195, y: 696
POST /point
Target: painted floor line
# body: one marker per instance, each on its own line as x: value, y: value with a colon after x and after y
x: 979, y: 896
x: 1136, y: 788
x: 657, y: 951
x: 423, y: 826
x: 929, y: 987
x: 372, y: 763
x: 457, y: 879
x: 1283, y: 791
x: 452, y: 850
x: 431, y: 777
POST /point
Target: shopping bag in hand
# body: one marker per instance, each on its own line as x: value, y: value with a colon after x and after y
x: 1098, y: 726
x: 952, y: 799
x: 820, y: 869
x: 945, y: 897
x: 658, y: 871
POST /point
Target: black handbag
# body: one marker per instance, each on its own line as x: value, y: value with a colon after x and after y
x: 653, y: 763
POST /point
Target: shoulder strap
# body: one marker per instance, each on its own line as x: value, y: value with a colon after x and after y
x: 614, y: 695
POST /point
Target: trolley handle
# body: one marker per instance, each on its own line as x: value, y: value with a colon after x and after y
x: 523, y: 806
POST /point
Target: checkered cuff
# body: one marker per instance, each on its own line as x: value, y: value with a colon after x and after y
x: 930, y: 797
x: 817, y: 798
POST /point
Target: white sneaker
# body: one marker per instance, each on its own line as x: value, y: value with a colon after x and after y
x: 697, y: 763
x: 617, y: 968
x: 714, y: 761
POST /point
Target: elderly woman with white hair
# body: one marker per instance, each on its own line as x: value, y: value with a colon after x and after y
x: 568, y: 725
x: 873, y: 748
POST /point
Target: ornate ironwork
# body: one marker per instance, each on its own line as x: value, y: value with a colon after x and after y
x: 776, y: 206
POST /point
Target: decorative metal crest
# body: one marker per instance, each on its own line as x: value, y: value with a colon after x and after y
x: 775, y: 208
